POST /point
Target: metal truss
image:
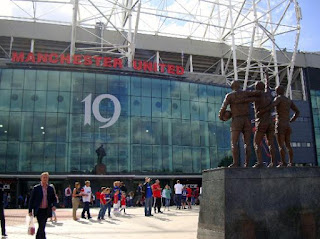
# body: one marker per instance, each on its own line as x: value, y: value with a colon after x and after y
x: 260, y: 35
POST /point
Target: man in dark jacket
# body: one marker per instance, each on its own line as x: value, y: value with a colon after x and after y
x: 3, y: 222
x: 42, y: 202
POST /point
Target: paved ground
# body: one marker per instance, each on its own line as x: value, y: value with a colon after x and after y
x: 173, y: 224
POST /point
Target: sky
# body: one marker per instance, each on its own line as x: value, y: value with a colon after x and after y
x: 309, y: 38
x: 310, y: 25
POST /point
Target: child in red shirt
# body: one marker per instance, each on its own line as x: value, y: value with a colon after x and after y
x: 115, y: 202
x: 123, y: 202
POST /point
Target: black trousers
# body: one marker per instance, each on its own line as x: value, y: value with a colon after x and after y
x: 157, y: 203
x: 3, y: 221
x: 86, y: 208
x: 42, y: 217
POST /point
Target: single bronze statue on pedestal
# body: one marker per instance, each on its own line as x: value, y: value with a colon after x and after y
x: 238, y: 101
x: 100, y: 168
x: 283, y: 129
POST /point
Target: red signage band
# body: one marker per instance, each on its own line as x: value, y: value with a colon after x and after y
x: 88, y: 60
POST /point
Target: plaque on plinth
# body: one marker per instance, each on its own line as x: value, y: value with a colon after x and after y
x: 260, y: 203
x: 100, y: 169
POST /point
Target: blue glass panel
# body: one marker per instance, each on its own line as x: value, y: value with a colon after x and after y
x: 30, y: 80
x: 166, y: 108
x: 185, y: 133
x: 89, y: 84
x: 146, y: 158
x: 42, y: 80
x: 63, y: 102
x: 49, y: 161
x: 75, y: 157
x: 156, y: 107
x: 40, y: 101
x: 185, y: 93
x: 65, y: 81
x: 156, y: 87
x: 176, y: 109
x: 53, y: 80
x: 25, y: 157
x: 175, y: 89
x: 26, y: 123
x: 185, y: 109
x: 87, y: 160
x: 4, y: 125
x: 196, y: 160
x: 16, y: 100
x: 136, y: 105
x: 136, y: 158
x: 77, y: 82
x: 13, y: 149
x: 156, y: 131
x: 165, y: 88
x: 6, y: 79
x: 14, y: 132
x: 124, y: 152
x: 3, y: 153
x: 177, y: 159
x: 5, y: 100
x: 50, y: 128
x: 146, y: 106
x: 101, y: 83
x: 146, y: 87
x: 157, y: 159
x: 203, y: 93
x: 136, y: 86
x: 187, y: 160
x: 195, y: 110
x: 17, y: 79
x: 52, y: 101
x: 28, y: 100
x: 194, y: 94
x: 61, y: 157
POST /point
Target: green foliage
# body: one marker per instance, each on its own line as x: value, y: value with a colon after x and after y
x: 226, y: 161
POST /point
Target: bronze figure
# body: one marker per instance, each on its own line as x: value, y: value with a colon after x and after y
x: 283, y: 130
x: 238, y: 101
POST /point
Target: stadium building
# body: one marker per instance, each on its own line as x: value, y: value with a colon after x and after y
x: 150, y: 96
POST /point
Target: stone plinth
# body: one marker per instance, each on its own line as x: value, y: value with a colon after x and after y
x: 100, y: 169
x: 249, y: 203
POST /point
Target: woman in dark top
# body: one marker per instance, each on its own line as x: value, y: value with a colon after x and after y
x: 76, y: 195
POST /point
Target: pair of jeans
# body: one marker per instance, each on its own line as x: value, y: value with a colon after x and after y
x: 148, y: 206
x: 86, y: 208
x: 179, y: 196
x: 167, y: 202
x: 3, y: 221
x: 102, y: 211
x: 157, y: 204
x: 42, y: 217
x: 108, y: 206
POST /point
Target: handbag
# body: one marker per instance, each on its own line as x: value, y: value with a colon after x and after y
x: 30, y: 224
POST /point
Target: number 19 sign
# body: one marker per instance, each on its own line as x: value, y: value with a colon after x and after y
x: 96, y: 112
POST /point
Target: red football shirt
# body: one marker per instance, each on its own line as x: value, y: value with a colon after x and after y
x: 156, y: 191
x: 189, y: 192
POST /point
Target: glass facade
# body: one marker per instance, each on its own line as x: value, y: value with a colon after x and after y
x: 165, y: 126
x: 315, y: 104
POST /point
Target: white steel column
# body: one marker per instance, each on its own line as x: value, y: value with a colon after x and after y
x: 157, y: 59
x: 32, y: 46
x: 130, y: 39
x: 251, y: 46
x: 294, y: 55
x: 303, y: 85
x: 191, y: 64
x: 222, y: 67
x: 235, y: 69
x: 274, y: 51
x: 74, y: 28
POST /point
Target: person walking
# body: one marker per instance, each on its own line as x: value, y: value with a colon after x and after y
x: 189, y: 196
x: 2, y: 218
x: 86, y: 199
x: 178, y: 192
x: 67, y: 197
x: 167, y: 194
x: 76, y: 196
x: 148, y: 197
x: 156, y: 190
x: 54, y: 215
x: 103, y: 204
x: 42, y: 202
x: 123, y: 202
x: 108, y: 201
x: 138, y: 194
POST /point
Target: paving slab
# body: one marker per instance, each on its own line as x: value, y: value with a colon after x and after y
x: 171, y: 224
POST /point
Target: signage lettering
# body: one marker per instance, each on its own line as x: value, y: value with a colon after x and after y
x: 99, y: 61
x: 96, y: 112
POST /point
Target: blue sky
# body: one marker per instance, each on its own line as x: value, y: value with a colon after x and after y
x: 310, y: 25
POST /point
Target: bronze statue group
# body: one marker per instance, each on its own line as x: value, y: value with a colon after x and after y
x: 264, y: 104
